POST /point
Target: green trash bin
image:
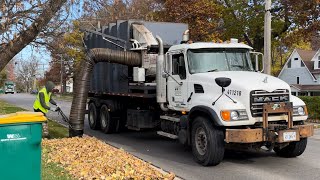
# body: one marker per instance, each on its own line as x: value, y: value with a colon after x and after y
x: 20, y: 146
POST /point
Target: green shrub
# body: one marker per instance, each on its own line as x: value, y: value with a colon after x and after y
x: 313, y: 105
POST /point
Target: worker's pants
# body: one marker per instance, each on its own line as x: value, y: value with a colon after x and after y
x: 45, y: 129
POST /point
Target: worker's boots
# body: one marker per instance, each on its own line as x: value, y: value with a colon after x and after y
x: 45, y: 128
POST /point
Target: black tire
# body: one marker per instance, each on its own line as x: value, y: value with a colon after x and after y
x: 94, y: 117
x: 294, y: 149
x: 106, y: 123
x: 207, y: 142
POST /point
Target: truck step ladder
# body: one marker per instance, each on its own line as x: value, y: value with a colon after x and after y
x: 170, y: 118
x: 165, y: 134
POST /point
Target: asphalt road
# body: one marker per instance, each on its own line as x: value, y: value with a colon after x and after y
x: 171, y: 156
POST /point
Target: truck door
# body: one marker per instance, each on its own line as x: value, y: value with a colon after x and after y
x: 177, y: 82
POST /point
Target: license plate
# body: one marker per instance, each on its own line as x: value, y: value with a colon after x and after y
x: 289, y: 136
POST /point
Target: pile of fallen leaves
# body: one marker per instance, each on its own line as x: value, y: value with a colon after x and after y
x: 89, y: 158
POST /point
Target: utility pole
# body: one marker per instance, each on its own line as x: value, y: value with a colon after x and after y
x: 34, y: 87
x: 267, y: 37
x: 61, y: 77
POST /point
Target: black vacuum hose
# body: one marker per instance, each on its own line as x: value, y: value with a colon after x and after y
x: 82, y: 80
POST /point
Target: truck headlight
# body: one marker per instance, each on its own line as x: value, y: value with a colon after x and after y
x: 299, y: 111
x: 234, y: 115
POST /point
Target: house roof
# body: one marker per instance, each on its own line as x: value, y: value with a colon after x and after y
x: 306, y: 55
x: 309, y: 65
x: 306, y: 87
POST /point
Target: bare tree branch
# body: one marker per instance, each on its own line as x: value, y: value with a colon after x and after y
x: 25, y: 37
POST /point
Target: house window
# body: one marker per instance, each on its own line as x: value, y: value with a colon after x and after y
x: 298, y: 80
x: 302, y: 64
x: 295, y: 59
x: 289, y: 63
x: 319, y: 62
x: 316, y: 93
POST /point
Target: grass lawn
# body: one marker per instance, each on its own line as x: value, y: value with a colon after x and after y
x: 56, y: 130
x: 50, y: 170
x: 6, y: 108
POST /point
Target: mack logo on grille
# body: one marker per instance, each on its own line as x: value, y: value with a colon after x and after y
x: 260, y: 97
x: 271, y: 99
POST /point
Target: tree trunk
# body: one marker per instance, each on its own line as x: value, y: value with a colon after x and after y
x: 27, y: 36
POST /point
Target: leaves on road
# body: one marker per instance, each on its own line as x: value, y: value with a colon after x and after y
x: 89, y: 158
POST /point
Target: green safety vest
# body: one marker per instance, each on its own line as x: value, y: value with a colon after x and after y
x: 47, y: 97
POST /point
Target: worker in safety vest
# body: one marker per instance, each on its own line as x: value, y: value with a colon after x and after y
x: 41, y: 104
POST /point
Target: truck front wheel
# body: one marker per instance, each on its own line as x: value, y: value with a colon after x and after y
x: 94, y: 117
x: 294, y: 149
x: 207, y: 142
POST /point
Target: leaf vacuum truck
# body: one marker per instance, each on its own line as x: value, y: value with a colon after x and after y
x: 210, y: 96
x: 9, y: 87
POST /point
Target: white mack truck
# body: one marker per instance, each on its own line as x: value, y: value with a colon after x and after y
x: 207, y: 95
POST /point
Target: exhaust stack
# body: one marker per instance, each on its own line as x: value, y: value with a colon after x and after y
x: 185, y: 36
x: 160, y: 80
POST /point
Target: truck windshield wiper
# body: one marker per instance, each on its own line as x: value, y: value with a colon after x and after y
x: 213, y: 70
x: 240, y: 66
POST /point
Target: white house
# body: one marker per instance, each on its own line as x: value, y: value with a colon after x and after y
x: 302, y: 72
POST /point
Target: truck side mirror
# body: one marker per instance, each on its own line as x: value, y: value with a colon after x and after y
x: 166, y: 66
x: 223, y: 82
x: 256, y: 56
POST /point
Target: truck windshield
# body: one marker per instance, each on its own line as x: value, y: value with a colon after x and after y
x: 210, y: 60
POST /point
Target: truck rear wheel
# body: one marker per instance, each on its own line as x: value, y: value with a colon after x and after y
x: 207, y: 142
x: 294, y: 149
x: 106, y: 123
x: 94, y: 117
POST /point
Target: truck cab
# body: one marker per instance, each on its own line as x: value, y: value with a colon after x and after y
x: 9, y: 87
x: 193, y: 68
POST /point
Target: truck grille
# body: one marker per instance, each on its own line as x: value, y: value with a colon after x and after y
x: 260, y: 97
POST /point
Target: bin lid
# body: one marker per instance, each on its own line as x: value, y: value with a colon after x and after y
x: 22, y: 117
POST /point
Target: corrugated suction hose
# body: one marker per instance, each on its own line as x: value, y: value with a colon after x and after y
x: 82, y: 79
